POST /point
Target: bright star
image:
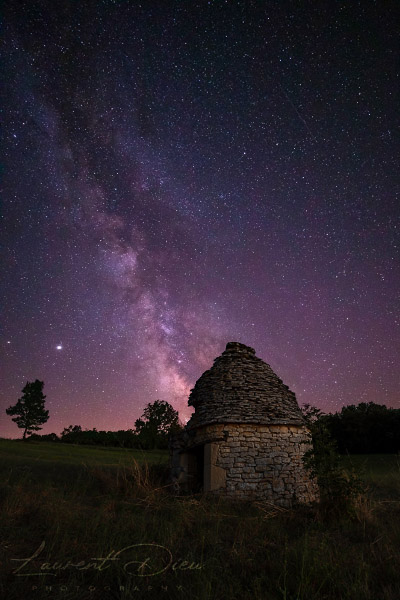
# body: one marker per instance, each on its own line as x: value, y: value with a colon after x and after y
x: 59, y: 347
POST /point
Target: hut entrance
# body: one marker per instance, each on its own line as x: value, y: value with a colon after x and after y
x: 196, y: 469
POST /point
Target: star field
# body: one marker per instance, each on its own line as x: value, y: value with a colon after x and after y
x: 183, y: 174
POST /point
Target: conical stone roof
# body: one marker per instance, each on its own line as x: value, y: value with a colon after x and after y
x: 242, y: 388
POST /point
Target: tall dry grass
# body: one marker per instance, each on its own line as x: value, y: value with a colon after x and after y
x: 244, y: 550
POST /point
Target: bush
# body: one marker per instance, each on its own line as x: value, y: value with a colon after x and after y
x: 341, y: 492
x: 46, y: 437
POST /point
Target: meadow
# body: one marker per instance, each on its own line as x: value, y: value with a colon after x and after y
x: 83, y: 523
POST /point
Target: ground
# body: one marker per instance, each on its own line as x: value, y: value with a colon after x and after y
x: 103, y: 525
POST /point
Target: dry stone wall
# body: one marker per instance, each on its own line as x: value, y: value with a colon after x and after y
x: 262, y: 461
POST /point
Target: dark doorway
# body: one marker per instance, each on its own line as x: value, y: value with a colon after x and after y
x: 196, y: 469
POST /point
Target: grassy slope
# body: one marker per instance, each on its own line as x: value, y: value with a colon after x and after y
x: 380, y: 471
x: 72, y: 454
x: 84, y: 502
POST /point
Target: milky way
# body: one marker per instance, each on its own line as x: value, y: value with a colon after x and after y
x: 179, y: 175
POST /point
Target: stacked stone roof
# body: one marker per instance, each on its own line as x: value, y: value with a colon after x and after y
x: 242, y: 388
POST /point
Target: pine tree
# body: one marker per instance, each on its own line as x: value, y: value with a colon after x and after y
x: 29, y: 412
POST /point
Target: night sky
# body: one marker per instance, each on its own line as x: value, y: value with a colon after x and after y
x: 181, y: 174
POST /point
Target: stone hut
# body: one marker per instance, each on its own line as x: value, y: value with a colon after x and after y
x: 247, y: 435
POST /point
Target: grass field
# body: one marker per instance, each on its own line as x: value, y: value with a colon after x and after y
x: 71, y: 454
x: 88, y: 523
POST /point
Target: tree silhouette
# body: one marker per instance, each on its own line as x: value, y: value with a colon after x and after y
x: 157, y: 422
x: 71, y: 429
x: 29, y: 412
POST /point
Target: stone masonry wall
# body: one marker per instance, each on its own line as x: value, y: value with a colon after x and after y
x: 262, y: 461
